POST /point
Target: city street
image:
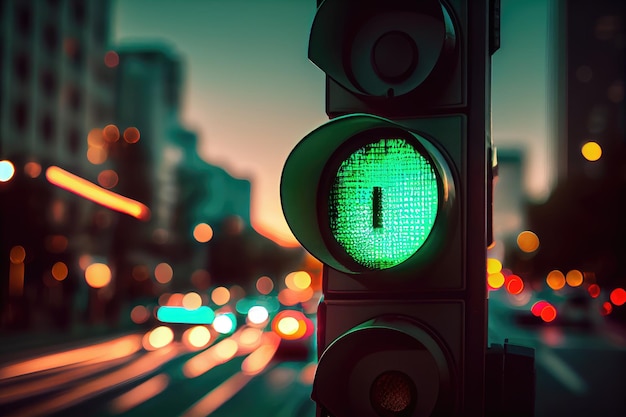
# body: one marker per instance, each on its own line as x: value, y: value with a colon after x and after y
x: 578, y: 373
x: 117, y: 377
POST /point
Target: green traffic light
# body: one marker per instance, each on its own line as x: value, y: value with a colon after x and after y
x: 383, y: 203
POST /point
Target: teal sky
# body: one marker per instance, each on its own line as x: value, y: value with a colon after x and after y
x: 251, y: 93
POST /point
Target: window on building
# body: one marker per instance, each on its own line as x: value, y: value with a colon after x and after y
x: 73, y: 140
x: 47, y: 127
x: 48, y: 82
x: 75, y: 98
x: 22, y: 67
x: 20, y: 115
x: 50, y: 37
x: 78, y: 11
x: 24, y: 18
x: 78, y: 56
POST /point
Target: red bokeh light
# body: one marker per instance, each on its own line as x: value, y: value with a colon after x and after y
x: 594, y: 290
x: 618, y: 296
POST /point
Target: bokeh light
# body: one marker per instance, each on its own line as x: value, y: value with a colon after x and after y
x: 160, y: 337
x: 493, y: 266
x: 108, y: 178
x: 98, y: 275
x: 514, y: 284
x: 258, y: 314
x: 111, y: 133
x: 574, y: 278
x: 59, y: 271
x: 527, y: 241
x: 202, y: 232
x: 192, y: 301
x: 163, y: 273
x: 555, y: 279
x: 111, y: 59
x: 495, y: 280
x: 292, y: 325
x: 548, y: 313
x: 288, y: 326
x: 224, y: 323
x: 594, y: 290
x: 537, y: 307
x: 6, y: 170
x: 197, y: 336
x: 17, y: 254
x: 264, y: 285
x: 97, y: 156
x: 32, y: 169
x: 131, y: 135
x: 84, y: 261
x: 618, y: 296
x: 298, y: 280
x: 139, y: 314
x: 591, y: 151
x: 174, y: 300
x: 220, y: 296
x: 544, y: 310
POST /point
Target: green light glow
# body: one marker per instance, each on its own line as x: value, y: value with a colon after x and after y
x: 174, y: 314
x: 383, y: 203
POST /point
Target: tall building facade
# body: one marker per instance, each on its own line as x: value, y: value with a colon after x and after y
x: 54, y: 88
x: 590, y: 47
x: 54, y: 82
x: 582, y: 226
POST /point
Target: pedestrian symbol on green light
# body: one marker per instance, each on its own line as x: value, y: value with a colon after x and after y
x: 383, y: 202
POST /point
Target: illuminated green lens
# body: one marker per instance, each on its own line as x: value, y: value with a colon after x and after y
x: 383, y: 203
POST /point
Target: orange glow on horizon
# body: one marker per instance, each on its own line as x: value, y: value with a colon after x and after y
x: 282, y: 238
x: 97, y: 194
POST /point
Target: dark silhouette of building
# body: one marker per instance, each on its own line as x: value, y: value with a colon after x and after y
x: 582, y: 225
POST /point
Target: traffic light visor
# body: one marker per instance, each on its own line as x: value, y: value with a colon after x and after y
x: 362, y: 193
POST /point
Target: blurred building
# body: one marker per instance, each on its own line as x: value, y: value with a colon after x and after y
x: 590, y: 45
x: 54, y: 82
x: 163, y: 169
x: 582, y: 226
x: 111, y: 117
x: 509, y: 198
x: 219, y: 194
x: 508, y: 217
x: 54, y: 88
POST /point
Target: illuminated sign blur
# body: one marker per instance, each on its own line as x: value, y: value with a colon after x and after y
x: 173, y: 314
x: 97, y: 194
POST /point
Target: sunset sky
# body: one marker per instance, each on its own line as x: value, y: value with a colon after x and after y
x: 251, y: 93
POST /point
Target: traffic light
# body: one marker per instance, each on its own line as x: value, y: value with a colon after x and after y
x: 392, y: 196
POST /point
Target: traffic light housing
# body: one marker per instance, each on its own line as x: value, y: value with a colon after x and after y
x: 391, y: 195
